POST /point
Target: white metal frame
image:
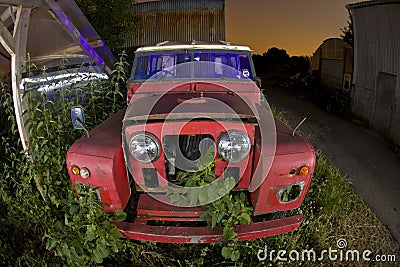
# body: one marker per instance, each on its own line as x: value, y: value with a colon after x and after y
x: 15, y: 42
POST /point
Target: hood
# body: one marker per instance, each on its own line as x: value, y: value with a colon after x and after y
x: 288, y: 144
x: 105, y: 140
x: 175, y: 106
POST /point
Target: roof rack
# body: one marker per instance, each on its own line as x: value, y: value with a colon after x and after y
x: 224, y: 42
x: 162, y: 43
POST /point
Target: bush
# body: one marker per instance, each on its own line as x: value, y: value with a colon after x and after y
x: 43, y: 220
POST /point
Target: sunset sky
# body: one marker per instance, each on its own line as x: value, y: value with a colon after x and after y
x: 298, y: 26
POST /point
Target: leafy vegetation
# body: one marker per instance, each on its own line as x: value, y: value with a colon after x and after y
x: 111, y: 19
x: 276, y: 67
x: 225, y: 207
x: 276, y: 58
x: 43, y: 222
x: 347, y: 32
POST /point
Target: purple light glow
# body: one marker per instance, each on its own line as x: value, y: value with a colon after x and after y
x: 65, y: 20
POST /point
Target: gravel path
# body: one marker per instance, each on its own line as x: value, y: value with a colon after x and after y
x: 360, y: 154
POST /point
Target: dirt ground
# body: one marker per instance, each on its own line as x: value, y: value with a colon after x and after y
x: 360, y: 154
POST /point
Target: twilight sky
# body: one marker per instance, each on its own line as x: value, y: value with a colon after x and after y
x: 298, y: 26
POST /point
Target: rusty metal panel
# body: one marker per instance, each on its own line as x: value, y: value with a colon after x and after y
x: 177, y: 21
x: 332, y: 73
x: 141, y: 230
x: 376, y: 49
x: 102, y: 154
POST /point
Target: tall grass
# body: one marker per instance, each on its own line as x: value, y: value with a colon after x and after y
x: 332, y: 211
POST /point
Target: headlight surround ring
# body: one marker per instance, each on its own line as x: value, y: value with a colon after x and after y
x: 144, y: 147
x: 234, y: 146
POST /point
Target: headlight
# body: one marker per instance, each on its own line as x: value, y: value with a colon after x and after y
x: 85, y: 173
x: 144, y: 147
x: 234, y: 146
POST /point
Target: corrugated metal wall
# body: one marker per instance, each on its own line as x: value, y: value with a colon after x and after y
x: 177, y: 21
x: 332, y: 73
x: 377, y: 50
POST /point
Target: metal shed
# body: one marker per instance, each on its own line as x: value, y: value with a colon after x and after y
x: 177, y: 21
x: 376, y: 93
x: 332, y: 62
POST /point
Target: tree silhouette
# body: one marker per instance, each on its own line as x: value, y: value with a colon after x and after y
x: 275, y: 56
x: 271, y: 59
x: 347, y: 32
x: 110, y: 18
x: 299, y: 64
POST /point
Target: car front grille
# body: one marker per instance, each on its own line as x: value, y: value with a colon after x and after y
x: 184, y: 152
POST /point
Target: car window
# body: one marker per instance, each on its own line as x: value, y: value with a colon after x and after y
x: 206, y: 64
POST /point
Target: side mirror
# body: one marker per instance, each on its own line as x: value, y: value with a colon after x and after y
x: 78, y: 119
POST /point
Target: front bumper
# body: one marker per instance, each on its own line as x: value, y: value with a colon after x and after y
x: 139, y: 230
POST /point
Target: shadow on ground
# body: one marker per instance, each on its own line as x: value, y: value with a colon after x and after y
x: 360, y: 154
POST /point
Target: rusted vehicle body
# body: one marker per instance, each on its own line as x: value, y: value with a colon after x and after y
x: 131, y: 157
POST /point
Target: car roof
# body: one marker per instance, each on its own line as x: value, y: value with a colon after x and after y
x: 193, y: 46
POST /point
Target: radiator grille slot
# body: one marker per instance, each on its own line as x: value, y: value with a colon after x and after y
x: 183, y: 152
x: 191, y: 146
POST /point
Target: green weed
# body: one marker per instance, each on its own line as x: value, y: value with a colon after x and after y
x: 43, y: 222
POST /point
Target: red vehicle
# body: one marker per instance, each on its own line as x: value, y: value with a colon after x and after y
x: 181, y: 98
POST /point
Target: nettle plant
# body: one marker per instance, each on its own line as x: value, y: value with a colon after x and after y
x: 62, y: 225
x: 72, y: 228
x: 222, y: 206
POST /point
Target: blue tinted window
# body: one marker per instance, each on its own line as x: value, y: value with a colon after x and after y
x: 204, y: 64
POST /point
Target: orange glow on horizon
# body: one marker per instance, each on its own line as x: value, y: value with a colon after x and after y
x: 299, y: 27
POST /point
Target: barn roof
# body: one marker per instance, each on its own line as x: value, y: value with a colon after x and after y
x: 371, y: 3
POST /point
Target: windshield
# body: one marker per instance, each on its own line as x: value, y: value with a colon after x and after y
x: 199, y: 65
